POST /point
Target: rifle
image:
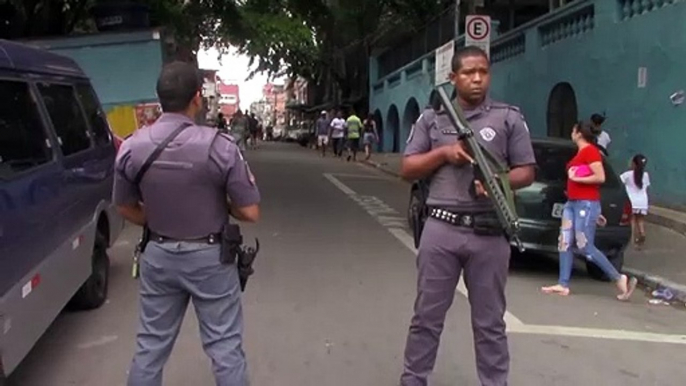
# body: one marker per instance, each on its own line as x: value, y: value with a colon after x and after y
x: 488, y: 169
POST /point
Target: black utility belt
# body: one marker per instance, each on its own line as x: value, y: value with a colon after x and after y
x: 212, y: 238
x: 485, y: 223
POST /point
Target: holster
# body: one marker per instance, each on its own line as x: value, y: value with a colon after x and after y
x: 419, y: 215
x: 144, y: 240
x: 230, y: 244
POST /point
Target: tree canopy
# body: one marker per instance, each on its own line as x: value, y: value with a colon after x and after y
x: 281, y: 37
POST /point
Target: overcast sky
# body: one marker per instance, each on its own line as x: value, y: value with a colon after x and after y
x: 234, y: 69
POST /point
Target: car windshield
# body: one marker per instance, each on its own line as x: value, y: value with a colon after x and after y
x: 552, y: 161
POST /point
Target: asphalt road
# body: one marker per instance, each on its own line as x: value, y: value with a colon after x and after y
x: 332, y: 297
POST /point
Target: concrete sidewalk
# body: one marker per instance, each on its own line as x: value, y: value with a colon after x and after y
x: 661, y: 263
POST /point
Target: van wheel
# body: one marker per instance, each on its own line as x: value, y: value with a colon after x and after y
x: 93, y: 292
x: 617, y: 260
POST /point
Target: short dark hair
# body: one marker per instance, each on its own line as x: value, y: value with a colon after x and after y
x: 177, y: 85
x: 464, y: 52
x: 597, y: 119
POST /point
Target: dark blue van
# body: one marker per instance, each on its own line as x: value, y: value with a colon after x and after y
x: 56, y: 175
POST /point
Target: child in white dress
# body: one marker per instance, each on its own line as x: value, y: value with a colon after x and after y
x: 636, y: 181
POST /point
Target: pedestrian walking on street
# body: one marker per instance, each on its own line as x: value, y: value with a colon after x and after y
x: 370, y: 136
x: 585, y: 174
x: 450, y: 243
x: 322, y: 127
x: 221, y: 123
x: 337, y: 134
x: 353, y: 127
x: 254, y: 128
x: 182, y: 200
x: 240, y: 130
x: 636, y: 181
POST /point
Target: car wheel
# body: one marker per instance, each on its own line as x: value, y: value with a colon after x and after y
x: 93, y: 292
x: 617, y: 260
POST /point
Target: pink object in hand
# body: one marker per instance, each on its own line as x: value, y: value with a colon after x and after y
x: 583, y: 171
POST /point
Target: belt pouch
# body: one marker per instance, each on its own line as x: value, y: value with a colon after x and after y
x: 487, y: 225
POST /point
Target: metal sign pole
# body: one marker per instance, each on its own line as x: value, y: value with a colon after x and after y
x: 457, y: 18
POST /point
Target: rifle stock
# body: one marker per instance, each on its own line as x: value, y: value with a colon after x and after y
x: 495, y: 173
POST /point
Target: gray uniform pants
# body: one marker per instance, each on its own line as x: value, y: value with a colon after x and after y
x: 171, y: 274
x: 446, y: 251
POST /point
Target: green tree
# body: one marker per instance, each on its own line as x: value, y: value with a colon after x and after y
x: 323, y: 40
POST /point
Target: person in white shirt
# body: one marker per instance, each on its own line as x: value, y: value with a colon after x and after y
x: 603, y: 138
x: 337, y: 134
x: 636, y: 180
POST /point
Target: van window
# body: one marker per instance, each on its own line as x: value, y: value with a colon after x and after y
x: 23, y: 141
x: 94, y: 114
x: 66, y: 116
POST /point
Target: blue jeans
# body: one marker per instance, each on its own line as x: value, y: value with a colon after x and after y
x: 578, y: 228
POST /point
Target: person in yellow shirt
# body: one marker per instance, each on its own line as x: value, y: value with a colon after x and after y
x: 353, y: 127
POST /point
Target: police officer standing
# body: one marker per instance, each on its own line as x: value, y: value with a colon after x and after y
x: 182, y: 198
x: 450, y: 243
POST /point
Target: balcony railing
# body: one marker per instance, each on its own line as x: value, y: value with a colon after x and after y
x: 508, y: 47
x: 567, y: 25
x: 574, y: 19
x: 633, y: 8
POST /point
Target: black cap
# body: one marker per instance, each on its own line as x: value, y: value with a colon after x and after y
x: 177, y: 85
x: 597, y: 119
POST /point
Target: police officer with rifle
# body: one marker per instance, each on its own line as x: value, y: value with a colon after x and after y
x: 474, y: 151
x: 182, y: 182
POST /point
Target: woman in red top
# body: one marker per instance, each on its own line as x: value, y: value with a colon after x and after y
x: 585, y: 174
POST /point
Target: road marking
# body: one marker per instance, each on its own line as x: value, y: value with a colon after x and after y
x: 599, y: 333
x: 408, y: 241
x: 365, y: 176
x: 340, y: 185
x: 377, y: 208
x: 98, y: 342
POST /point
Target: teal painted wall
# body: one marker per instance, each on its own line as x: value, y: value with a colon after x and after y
x: 598, y: 51
x: 123, y: 67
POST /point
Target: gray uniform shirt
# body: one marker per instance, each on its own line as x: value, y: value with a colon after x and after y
x: 185, y: 191
x: 497, y: 126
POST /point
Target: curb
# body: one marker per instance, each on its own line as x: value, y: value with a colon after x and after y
x: 667, y: 222
x: 381, y: 168
x: 654, y: 282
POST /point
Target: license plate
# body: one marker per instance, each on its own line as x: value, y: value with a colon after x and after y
x: 557, y: 210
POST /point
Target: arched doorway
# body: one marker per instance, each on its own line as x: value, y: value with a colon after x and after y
x: 379, y: 129
x: 409, y: 118
x: 392, y: 140
x: 562, y: 110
